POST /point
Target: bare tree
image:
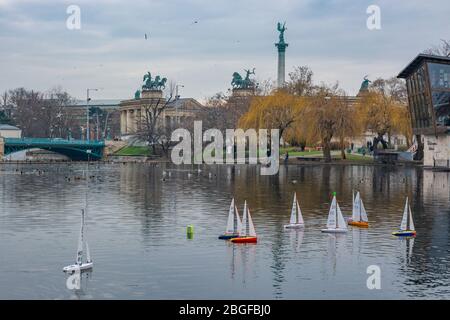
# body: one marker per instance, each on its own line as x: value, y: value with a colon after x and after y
x: 39, y: 114
x: 4, y: 100
x: 265, y: 87
x: 215, y: 114
x: 300, y: 81
x: 392, y: 87
x: 440, y: 50
x: 151, y: 124
x: 5, y: 116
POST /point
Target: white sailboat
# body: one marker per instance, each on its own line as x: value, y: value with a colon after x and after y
x: 336, y: 222
x: 234, y: 223
x: 296, y: 220
x: 359, y: 214
x: 407, y: 228
x: 247, y: 233
x: 79, y: 264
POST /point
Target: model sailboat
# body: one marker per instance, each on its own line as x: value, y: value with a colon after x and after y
x: 359, y: 214
x: 336, y: 222
x: 234, y: 223
x: 247, y: 233
x: 407, y: 228
x: 296, y: 220
x: 79, y: 264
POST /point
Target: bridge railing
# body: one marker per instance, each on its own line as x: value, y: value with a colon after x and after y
x: 53, y: 141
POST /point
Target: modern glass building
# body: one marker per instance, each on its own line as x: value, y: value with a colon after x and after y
x: 428, y: 85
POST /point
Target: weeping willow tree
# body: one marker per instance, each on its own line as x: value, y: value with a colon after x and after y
x: 384, y: 115
x: 328, y: 115
x: 279, y: 110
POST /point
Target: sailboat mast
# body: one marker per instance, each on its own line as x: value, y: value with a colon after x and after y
x: 336, y: 214
x: 360, y: 216
x: 408, y: 219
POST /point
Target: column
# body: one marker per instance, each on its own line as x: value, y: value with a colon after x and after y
x: 281, y: 63
x: 128, y: 122
x: 123, y: 122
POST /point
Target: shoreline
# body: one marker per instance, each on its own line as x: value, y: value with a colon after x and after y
x: 291, y: 162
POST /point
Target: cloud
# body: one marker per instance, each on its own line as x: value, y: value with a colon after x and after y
x: 200, y: 43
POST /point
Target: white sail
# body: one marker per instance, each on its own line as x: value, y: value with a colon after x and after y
x: 300, y: 216
x: 238, y: 221
x: 341, y: 224
x: 251, y: 227
x: 403, y: 225
x: 411, y: 222
x: 293, y: 219
x: 88, y: 253
x: 79, y: 258
x: 244, y: 230
x: 230, y: 222
x: 331, y: 222
x: 356, y: 210
x: 363, y: 211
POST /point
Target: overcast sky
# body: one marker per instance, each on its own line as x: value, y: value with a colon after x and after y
x: 37, y: 51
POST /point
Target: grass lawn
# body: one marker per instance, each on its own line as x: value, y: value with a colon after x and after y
x: 294, y: 153
x: 134, y: 151
x: 334, y: 154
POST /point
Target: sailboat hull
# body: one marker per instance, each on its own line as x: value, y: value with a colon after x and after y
x: 294, y: 226
x: 244, y: 240
x: 228, y: 236
x: 75, y: 267
x: 361, y: 224
x: 334, y: 230
x: 404, y: 233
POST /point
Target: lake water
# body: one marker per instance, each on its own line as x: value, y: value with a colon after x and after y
x: 136, y: 227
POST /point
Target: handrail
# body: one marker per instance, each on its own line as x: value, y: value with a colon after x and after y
x: 53, y: 141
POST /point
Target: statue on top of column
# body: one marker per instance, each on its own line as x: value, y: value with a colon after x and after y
x: 281, y: 29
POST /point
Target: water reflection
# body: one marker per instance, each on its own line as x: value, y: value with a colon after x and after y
x: 78, y: 283
x: 137, y: 232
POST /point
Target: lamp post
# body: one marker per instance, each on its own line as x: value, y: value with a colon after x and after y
x: 87, y: 112
x: 177, y: 96
x: 88, y: 152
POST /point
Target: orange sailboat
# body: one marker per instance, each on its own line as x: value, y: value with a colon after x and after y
x: 359, y: 214
x: 247, y: 233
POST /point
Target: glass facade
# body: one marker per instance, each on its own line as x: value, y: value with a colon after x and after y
x: 440, y: 91
x: 428, y: 85
x: 419, y: 102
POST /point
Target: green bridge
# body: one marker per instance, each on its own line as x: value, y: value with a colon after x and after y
x: 74, y: 149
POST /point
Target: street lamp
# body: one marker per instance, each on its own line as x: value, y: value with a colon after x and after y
x: 88, y: 152
x: 177, y: 96
x: 87, y: 112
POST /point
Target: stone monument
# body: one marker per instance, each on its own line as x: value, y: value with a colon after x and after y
x: 133, y: 110
x: 243, y: 87
x: 281, y: 45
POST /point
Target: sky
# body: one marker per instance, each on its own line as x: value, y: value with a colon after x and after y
x: 200, y: 43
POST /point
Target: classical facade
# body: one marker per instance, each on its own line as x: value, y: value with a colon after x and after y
x: 133, y: 111
x: 109, y: 126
